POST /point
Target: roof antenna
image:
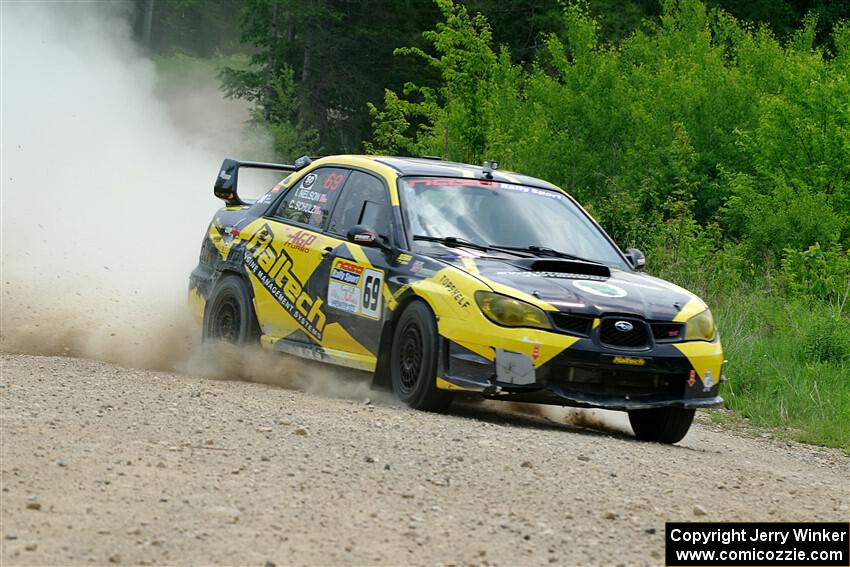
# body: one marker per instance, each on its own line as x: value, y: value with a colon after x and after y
x: 489, y: 166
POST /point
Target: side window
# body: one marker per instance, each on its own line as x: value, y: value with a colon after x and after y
x: 352, y: 209
x: 311, y: 200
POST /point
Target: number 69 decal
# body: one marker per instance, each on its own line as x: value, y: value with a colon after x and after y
x: 370, y: 303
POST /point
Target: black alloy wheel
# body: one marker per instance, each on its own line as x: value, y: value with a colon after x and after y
x: 229, y: 313
x: 413, y: 360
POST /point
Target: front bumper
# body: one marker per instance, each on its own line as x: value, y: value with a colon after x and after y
x: 685, y: 375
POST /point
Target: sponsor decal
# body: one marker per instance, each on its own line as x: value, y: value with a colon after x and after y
x: 275, y: 189
x: 602, y: 289
x: 558, y: 275
x: 692, y: 378
x: 629, y: 360
x: 343, y: 297
x: 707, y: 381
x: 403, y: 258
x: 273, y: 269
x: 346, y: 272
x: 535, y: 352
x: 456, y: 294
x: 452, y: 183
x: 300, y: 240
x: 355, y: 289
x: 309, y: 180
x: 333, y: 181
x: 442, y: 182
x: 417, y: 266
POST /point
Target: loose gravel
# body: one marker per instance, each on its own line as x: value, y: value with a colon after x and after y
x: 108, y: 465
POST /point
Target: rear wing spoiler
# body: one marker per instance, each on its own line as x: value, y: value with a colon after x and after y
x: 226, y: 182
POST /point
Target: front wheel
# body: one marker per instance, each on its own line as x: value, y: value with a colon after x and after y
x: 413, y: 360
x: 229, y: 313
x: 663, y: 425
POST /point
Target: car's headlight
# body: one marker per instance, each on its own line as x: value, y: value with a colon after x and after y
x: 511, y: 312
x: 701, y: 327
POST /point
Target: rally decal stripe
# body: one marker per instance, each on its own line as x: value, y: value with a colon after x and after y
x: 470, y: 266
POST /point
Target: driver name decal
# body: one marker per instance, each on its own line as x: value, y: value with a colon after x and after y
x: 273, y: 269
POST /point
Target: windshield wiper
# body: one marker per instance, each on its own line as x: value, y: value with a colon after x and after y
x: 547, y: 251
x: 453, y: 241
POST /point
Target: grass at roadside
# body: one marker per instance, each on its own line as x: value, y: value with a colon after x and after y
x: 789, y: 365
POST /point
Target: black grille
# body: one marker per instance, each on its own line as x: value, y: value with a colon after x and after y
x: 668, y: 332
x: 573, y: 324
x: 636, y: 338
x: 600, y: 381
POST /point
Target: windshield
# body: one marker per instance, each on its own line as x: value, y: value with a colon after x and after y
x: 502, y: 214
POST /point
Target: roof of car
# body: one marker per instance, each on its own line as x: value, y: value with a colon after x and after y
x: 433, y: 167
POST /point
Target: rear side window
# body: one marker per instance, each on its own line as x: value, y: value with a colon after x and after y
x: 311, y: 200
x: 353, y: 210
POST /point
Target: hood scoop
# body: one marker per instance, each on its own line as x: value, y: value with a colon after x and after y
x: 564, y: 268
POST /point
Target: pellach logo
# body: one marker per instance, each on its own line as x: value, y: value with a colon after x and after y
x: 274, y: 270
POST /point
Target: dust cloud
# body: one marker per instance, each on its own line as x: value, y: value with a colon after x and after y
x: 106, y: 194
x: 601, y: 420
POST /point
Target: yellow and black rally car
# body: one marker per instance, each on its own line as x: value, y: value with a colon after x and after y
x: 443, y: 277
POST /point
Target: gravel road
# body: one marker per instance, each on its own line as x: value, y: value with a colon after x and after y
x: 109, y: 465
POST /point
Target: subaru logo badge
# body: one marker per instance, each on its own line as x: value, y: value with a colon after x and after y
x: 623, y: 326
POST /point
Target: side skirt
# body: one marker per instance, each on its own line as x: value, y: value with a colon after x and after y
x: 319, y: 353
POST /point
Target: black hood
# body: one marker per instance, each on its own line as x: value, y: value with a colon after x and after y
x: 574, y: 288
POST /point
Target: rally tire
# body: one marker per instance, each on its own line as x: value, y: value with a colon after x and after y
x: 229, y: 313
x: 413, y: 360
x: 662, y: 425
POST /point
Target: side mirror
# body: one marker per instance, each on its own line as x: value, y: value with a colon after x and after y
x: 366, y: 236
x: 636, y: 258
x: 363, y: 235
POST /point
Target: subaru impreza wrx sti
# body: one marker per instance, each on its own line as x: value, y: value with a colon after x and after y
x: 443, y: 277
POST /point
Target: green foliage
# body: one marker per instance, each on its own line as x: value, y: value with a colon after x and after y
x: 709, y: 143
x: 819, y: 273
x: 452, y: 119
x: 695, y: 115
x: 827, y: 341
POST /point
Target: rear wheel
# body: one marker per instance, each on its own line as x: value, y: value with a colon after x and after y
x: 664, y: 425
x: 413, y: 360
x: 229, y: 313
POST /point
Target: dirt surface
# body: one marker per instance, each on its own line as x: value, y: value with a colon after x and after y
x: 103, y: 464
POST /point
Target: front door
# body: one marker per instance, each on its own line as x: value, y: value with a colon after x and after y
x: 355, y: 285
